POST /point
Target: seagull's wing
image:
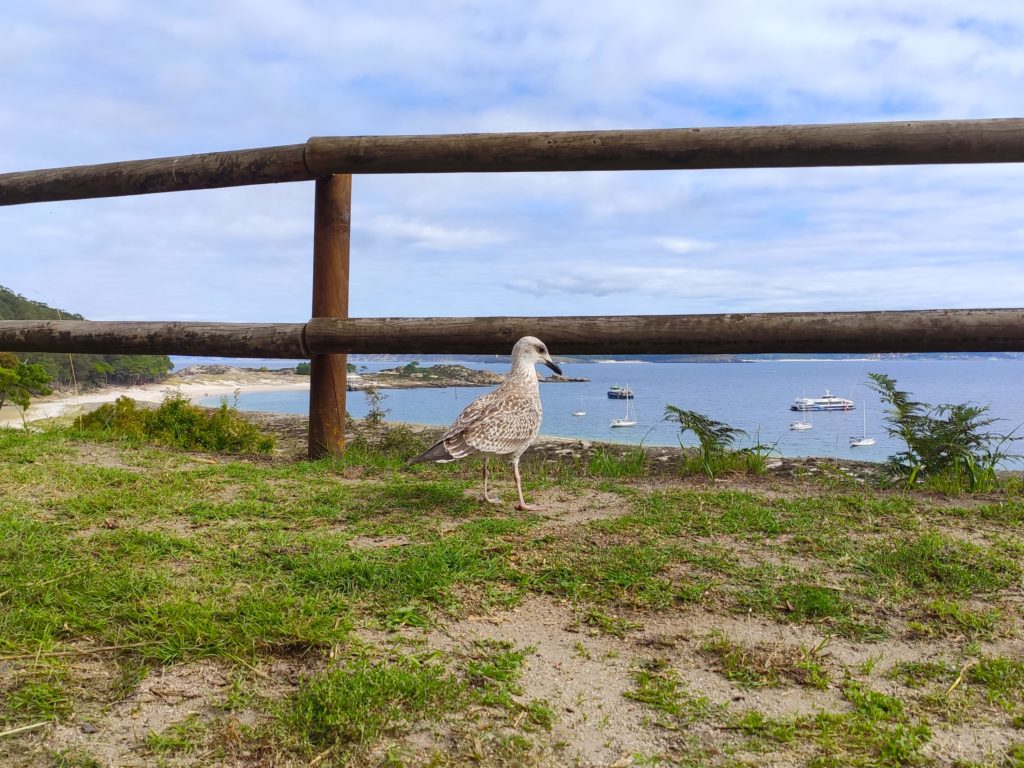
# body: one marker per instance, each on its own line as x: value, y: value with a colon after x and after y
x: 508, y: 427
x: 454, y: 444
x: 462, y: 438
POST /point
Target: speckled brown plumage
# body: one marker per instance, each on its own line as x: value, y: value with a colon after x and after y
x: 503, y: 422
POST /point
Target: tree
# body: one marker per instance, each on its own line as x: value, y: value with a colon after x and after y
x: 20, y: 382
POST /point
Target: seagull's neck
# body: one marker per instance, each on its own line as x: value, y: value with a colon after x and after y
x: 523, y: 371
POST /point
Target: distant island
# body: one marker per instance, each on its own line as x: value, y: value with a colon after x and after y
x: 409, y: 376
x: 412, y: 375
x: 742, y: 358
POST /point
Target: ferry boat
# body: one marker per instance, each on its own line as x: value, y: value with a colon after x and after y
x: 620, y: 393
x: 828, y: 402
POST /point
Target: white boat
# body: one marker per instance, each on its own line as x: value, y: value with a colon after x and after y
x: 798, y: 425
x: 863, y: 441
x: 828, y: 402
x: 630, y: 418
x: 580, y: 412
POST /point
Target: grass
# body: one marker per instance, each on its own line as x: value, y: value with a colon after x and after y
x: 766, y: 664
x: 352, y: 572
x: 658, y: 686
x: 354, y: 702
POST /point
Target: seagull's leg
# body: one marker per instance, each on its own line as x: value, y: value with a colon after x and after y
x: 522, y: 505
x: 487, y: 496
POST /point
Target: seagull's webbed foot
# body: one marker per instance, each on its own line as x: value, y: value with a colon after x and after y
x: 492, y: 499
x: 529, y: 507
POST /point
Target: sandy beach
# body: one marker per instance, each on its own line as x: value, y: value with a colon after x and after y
x: 54, y: 406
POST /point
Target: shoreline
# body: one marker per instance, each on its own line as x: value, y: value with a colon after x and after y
x: 55, y: 406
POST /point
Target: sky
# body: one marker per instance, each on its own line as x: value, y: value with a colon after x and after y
x: 109, y: 80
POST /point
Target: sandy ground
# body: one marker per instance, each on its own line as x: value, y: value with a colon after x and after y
x: 64, y: 405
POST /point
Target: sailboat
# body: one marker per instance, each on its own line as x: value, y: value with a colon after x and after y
x: 580, y: 412
x: 630, y: 418
x: 801, y: 424
x: 863, y: 441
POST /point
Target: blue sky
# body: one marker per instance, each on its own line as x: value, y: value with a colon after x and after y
x: 110, y: 80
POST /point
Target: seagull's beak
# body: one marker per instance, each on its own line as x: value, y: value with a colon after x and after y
x: 551, y: 364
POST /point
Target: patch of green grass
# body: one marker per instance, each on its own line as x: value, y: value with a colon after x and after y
x: 628, y: 574
x: 493, y: 672
x: 950, y: 615
x: 609, y: 463
x: 74, y: 758
x: 180, y: 738
x: 1001, y: 678
x: 877, y: 733
x: 917, y: 674
x: 765, y: 665
x: 778, y: 730
x: 540, y: 713
x: 659, y: 687
x: 937, y: 564
x: 359, y: 699
x: 41, y: 694
x: 798, y: 601
x: 607, y: 624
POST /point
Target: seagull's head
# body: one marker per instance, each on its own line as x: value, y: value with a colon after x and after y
x: 533, y: 350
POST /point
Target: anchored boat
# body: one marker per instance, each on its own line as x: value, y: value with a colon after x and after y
x: 828, y: 402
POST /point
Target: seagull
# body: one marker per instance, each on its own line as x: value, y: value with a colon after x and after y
x: 501, y: 423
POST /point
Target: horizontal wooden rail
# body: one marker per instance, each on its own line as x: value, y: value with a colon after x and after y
x: 154, y: 338
x: 963, y: 330
x: 777, y: 146
x: 164, y: 174
x: 780, y: 146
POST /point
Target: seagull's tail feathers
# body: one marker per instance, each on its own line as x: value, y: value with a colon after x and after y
x: 436, y: 453
x: 452, y: 447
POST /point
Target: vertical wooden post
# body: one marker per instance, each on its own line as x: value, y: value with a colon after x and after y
x: 331, y: 231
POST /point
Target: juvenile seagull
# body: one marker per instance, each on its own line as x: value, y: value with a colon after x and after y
x: 501, y: 423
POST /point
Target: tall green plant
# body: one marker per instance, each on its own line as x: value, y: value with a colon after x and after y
x: 947, y: 444
x: 715, y: 437
x: 19, y: 382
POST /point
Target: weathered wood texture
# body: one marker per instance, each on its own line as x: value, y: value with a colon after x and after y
x: 166, y: 174
x: 153, y: 338
x: 938, y: 330
x: 895, y: 143
x: 331, y: 235
x: 974, y: 330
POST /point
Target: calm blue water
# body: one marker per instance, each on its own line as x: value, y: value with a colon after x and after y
x: 752, y: 396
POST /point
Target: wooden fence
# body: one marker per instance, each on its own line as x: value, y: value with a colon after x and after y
x: 331, y: 162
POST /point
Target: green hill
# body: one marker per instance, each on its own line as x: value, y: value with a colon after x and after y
x: 88, y: 369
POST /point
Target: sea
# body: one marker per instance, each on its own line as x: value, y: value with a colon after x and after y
x: 753, y: 396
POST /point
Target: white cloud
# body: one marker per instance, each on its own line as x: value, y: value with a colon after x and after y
x: 183, y: 77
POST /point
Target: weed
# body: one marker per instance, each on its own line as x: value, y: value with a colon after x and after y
x: 947, y: 445
x: 179, y: 424
x: 715, y: 439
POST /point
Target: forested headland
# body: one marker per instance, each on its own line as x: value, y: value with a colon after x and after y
x: 87, y: 369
